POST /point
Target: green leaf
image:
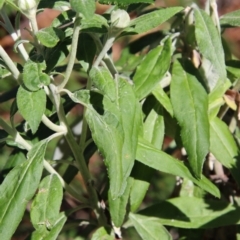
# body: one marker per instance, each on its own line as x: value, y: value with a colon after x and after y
x: 52, y: 233
x: 163, y: 98
x: 57, y: 227
x: 231, y: 19
x: 209, y: 42
x: 118, y: 207
x: 124, y: 2
x: 153, y: 127
x: 215, y: 99
x: 46, y: 205
x: 103, y: 233
x: 17, y: 157
x: 190, y: 106
x: 149, y: 227
x: 33, y: 76
x: 224, y: 147
x: 115, y: 128
x: 148, y: 73
x: 104, y: 82
x: 49, y: 36
x: 95, y: 24
x: 31, y: 105
x: 18, y: 188
x: 138, y: 192
x: 151, y: 20
x: 85, y: 7
x: 150, y: 156
x: 192, y: 212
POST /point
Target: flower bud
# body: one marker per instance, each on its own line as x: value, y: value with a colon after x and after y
x: 28, y: 6
x: 120, y: 18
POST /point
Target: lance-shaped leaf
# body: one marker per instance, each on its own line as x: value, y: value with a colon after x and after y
x: 153, y: 131
x: 149, y: 227
x: 31, y: 105
x: 151, y: 20
x: 231, y: 19
x: 152, y: 69
x: 190, y: 106
x: 163, y: 98
x: 46, y: 205
x: 18, y: 188
x: 223, y: 147
x: 154, y: 158
x: 209, y: 42
x: 192, y: 212
x: 118, y: 207
x: 85, y: 7
x: 115, y: 128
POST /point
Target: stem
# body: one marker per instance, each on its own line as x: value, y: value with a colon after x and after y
x: 80, y: 161
x: 104, y: 51
x: 73, y: 53
x: 13, y: 69
x: 106, y: 59
x: 51, y: 125
x: 34, y: 26
x: 14, y: 35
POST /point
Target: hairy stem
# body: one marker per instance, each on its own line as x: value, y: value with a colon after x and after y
x: 10, y: 64
x: 73, y: 53
x: 81, y: 164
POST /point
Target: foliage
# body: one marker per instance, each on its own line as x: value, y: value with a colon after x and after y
x: 170, y: 90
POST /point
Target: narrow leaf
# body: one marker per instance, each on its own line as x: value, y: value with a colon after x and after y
x: 149, y: 227
x: 46, y: 205
x: 231, y: 19
x: 163, y: 98
x: 149, y: 72
x: 32, y: 106
x: 118, y: 207
x: 18, y: 188
x: 151, y: 20
x: 190, y: 106
x: 223, y: 147
x: 209, y: 42
x: 154, y: 158
x: 153, y: 127
x: 192, y: 212
x: 115, y: 129
x: 85, y: 7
